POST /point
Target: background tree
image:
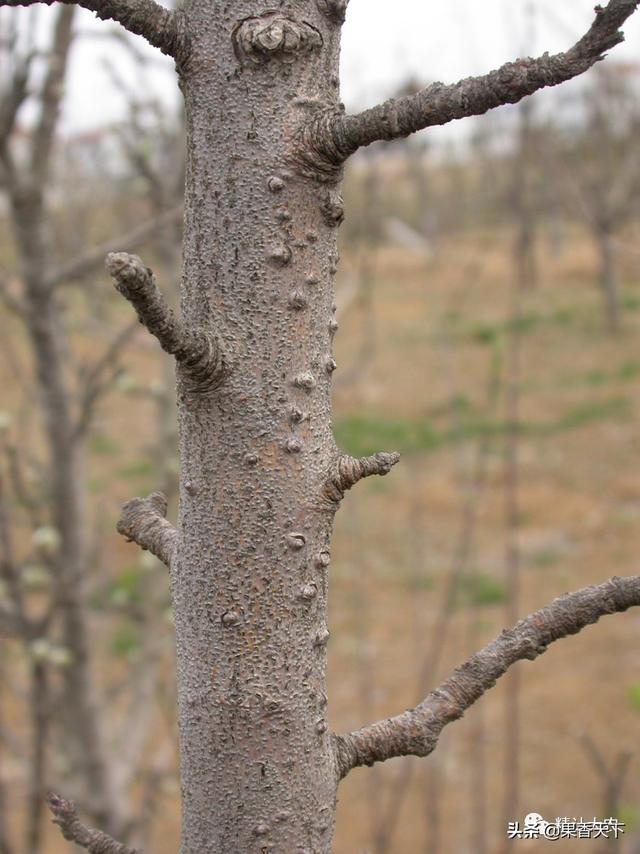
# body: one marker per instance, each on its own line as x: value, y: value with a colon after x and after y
x: 597, y: 164
x: 261, y: 476
x: 50, y: 584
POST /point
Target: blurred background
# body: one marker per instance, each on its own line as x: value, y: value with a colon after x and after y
x: 489, y: 307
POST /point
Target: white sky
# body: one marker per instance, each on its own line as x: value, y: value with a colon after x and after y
x: 383, y: 44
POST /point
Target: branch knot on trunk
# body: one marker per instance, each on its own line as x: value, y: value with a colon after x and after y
x: 348, y: 471
x: 274, y: 36
x: 143, y: 522
x: 196, y: 352
x: 320, y: 146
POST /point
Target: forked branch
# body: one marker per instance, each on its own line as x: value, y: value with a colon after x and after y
x: 416, y: 731
x: 159, y: 26
x: 95, y: 841
x: 143, y: 522
x: 330, y: 137
x: 197, y: 353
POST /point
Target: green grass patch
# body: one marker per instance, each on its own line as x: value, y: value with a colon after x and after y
x: 545, y: 558
x: 526, y: 323
x: 103, y: 445
x: 125, y: 641
x: 588, y: 413
x: 481, y: 590
x: 362, y: 435
x: 629, y: 815
x: 633, y: 695
x: 137, y: 469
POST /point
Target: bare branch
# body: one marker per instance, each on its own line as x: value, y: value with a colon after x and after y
x: 95, y: 841
x: 197, y: 353
x: 13, y: 97
x: 159, y: 26
x: 101, y: 376
x: 349, y: 470
x: 88, y: 261
x: 143, y: 522
x: 51, y: 96
x: 330, y: 137
x: 416, y: 731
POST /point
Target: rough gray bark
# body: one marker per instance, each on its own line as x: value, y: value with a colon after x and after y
x: 260, y: 474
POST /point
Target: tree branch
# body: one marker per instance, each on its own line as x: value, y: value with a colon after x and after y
x: 101, y: 375
x: 95, y: 841
x: 159, y: 26
x: 143, y: 522
x: 89, y: 260
x: 197, y: 353
x: 349, y: 470
x: 14, y: 95
x: 329, y: 138
x: 50, y: 97
x: 416, y: 731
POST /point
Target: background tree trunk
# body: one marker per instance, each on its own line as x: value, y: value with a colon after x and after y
x: 608, y: 278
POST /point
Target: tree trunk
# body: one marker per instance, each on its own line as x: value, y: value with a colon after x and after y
x: 249, y: 582
x: 260, y: 474
x: 78, y: 710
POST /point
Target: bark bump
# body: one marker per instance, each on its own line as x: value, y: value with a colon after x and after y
x: 258, y: 40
